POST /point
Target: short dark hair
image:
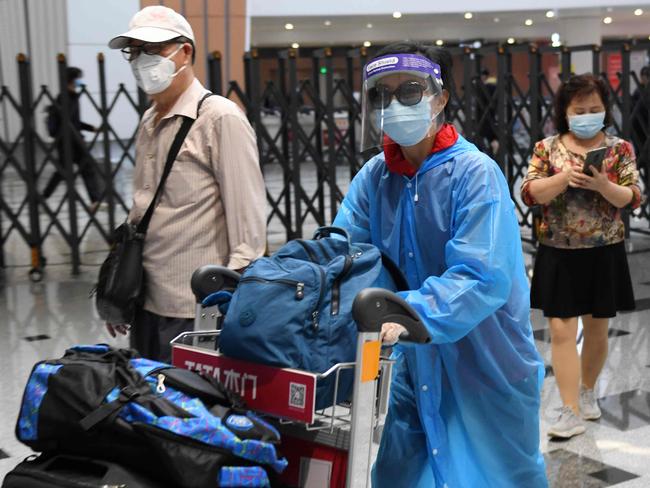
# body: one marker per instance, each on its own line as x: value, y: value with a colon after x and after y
x: 578, y: 86
x: 73, y: 73
x: 184, y: 40
x: 645, y: 71
x: 436, y: 54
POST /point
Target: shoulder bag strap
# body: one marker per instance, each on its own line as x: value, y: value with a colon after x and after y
x: 143, y: 225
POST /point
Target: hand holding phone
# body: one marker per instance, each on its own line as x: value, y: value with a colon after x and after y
x: 594, y: 158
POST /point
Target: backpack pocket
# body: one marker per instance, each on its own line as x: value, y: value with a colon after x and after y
x: 274, y: 314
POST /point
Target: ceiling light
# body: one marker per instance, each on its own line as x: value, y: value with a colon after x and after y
x: 439, y: 42
x: 497, y: 20
x: 327, y: 23
x: 295, y: 45
x: 397, y: 15
x: 555, y: 39
x: 288, y: 26
x: 468, y: 15
x: 367, y: 44
x: 638, y: 12
x: 368, y: 26
x: 511, y: 40
x: 550, y: 14
x: 529, y: 22
x: 607, y: 20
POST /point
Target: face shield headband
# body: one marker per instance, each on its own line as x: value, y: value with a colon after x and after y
x: 414, y: 64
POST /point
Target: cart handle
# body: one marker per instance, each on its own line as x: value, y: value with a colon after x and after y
x: 211, y: 279
x: 373, y: 307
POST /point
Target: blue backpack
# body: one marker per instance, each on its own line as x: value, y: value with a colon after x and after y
x: 173, y: 425
x: 294, y: 308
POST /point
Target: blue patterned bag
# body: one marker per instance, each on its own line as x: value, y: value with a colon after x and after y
x: 171, y: 424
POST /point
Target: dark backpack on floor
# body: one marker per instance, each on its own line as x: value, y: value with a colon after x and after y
x: 171, y: 424
x: 294, y: 308
x: 61, y: 471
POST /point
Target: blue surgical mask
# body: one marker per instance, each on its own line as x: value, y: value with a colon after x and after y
x: 406, y: 125
x: 586, y: 126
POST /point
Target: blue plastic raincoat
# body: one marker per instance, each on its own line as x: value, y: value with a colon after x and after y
x: 464, y: 410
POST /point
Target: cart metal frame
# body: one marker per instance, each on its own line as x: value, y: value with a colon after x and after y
x: 348, y: 427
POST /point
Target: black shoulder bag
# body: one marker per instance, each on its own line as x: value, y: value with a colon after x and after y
x: 120, y: 284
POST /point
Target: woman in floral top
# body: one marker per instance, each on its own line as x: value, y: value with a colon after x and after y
x: 581, y: 267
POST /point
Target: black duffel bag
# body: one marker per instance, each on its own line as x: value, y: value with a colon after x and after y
x: 60, y: 471
x: 170, y: 424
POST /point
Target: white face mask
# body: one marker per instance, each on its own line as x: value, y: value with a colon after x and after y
x: 154, y: 73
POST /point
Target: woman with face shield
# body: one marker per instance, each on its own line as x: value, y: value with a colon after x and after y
x: 464, y: 409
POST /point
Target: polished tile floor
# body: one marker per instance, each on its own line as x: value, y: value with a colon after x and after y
x: 615, y: 450
x: 40, y: 321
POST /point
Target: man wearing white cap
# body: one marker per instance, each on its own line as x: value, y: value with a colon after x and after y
x: 212, y: 209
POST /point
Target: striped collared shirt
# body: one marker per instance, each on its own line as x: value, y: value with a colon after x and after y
x: 213, y: 207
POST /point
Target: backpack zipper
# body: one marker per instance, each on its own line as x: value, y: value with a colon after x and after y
x: 336, y: 286
x: 298, y: 285
x: 160, y: 386
x: 316, y: 313
x: 165, y: 381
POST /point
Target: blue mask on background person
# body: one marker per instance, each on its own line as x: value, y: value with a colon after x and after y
x: 586, y: 126
x: 406, y: 125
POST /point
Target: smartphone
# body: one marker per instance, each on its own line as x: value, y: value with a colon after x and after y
x: 594, y: 158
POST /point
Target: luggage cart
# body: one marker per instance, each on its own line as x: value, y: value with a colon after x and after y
x: 329, y: 448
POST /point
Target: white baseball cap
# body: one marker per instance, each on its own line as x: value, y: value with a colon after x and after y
x: 154, y: 24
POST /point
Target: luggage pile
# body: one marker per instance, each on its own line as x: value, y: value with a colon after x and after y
x: 109, y: 416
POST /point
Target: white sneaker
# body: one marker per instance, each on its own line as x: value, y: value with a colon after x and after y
x: 589, y: 408
x: 567, y: 425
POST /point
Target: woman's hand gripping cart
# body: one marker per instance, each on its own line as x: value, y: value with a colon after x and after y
x: 331, y: 448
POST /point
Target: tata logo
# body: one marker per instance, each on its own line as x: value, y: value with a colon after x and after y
x: 380, y: 63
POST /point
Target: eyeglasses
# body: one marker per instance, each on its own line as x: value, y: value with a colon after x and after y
x: 150, y: 48
x: 408, y: 93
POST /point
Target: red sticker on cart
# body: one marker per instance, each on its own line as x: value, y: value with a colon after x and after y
x: 284, y: 393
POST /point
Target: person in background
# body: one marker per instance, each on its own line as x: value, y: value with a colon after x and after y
x: 213, y: 207
x: 79, y: 152
x: 464, y: 409
x: 581, y: 267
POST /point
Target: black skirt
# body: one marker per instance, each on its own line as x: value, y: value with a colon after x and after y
x: 573, y: 282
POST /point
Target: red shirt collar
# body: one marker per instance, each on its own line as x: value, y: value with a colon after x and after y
x: 397, y: 163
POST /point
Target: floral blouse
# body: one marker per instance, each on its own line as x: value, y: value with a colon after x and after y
x: 579, y: 218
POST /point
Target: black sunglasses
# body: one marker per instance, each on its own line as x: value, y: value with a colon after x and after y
x: 150, y: 48
x: 408, y: 93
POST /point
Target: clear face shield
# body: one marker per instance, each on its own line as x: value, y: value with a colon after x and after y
x: 402, y: 100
